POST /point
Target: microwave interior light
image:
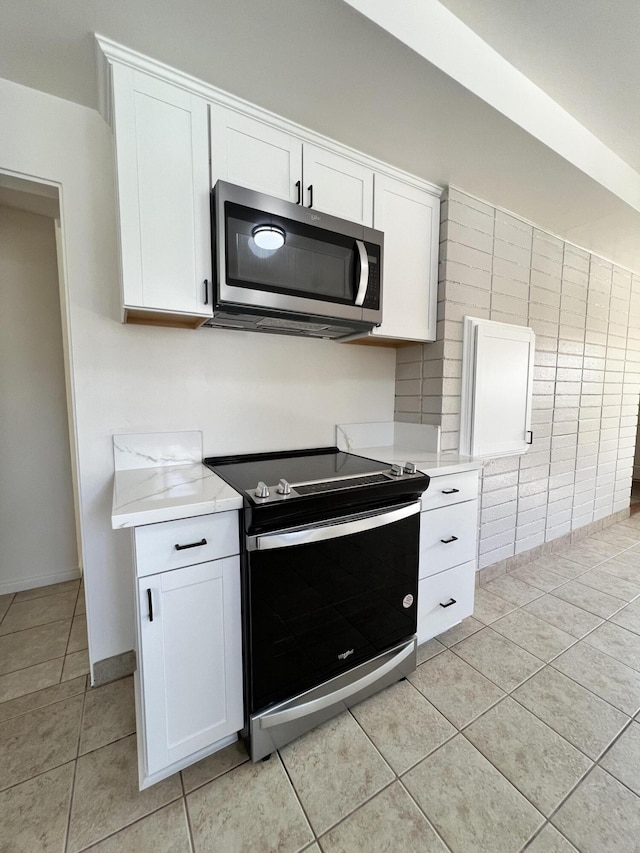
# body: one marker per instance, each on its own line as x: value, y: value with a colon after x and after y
x: 268, y: 236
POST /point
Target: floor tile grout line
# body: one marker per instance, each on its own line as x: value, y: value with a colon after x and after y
x: 279, y: 758
x: 30, y: 666
x: 75, y: 770
x: 526, y: 797
x: 421, y: 810
x: 187, y: 817
x: 46, y: 704
x: 549, y: 663
x: 177, y: 799
x: 580, y: 749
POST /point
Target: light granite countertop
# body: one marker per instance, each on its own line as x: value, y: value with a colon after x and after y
x: 427, y: 461
x: 149, y: 495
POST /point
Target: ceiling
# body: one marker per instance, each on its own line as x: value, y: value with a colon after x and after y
x: 331, y: 68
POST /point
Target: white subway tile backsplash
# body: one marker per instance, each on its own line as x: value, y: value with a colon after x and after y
x: 510, y: 270
x: 585, y: 405
x: 408, y: 387
x: 555, y: 532
x: 493, y: 513
x: 536, y: 473
x: 576, y: 258
x: 534, y: 487
x: 492, y: 557
x: 499, y: 496
x: 501, y: 465
x: 493, y: 542
x: 467, y: 256
x: 548, y: 245
x: 456, y: 196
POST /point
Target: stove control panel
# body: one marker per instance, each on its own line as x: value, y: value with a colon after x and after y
x: 285, y: 490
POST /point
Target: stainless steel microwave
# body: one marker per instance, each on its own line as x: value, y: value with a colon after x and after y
x: 283, y: 268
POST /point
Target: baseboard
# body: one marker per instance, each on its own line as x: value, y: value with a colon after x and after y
x: 110, y: 669
x: 488, y: 573
x: 7, y: 587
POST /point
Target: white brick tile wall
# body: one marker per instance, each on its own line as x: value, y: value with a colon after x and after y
x: 586, y: 316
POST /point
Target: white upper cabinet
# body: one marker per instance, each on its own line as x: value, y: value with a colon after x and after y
x: 261, y: 157
x: 337, y: 185
x: 175, y: 137
x: 252, y: 154
x: 161, y: 145
x: 410, y: 219
x: 497, y: 388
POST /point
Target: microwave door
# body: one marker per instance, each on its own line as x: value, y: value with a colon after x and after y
x: 311, y: 271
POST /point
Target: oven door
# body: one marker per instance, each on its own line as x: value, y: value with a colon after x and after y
x: 324, y: 266
x: 323, y: 598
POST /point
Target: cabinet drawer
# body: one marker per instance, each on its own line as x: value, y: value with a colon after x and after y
x: 450, y: 489
x: 436, y: 613
x: 160, y: 547
x: 448, y: 537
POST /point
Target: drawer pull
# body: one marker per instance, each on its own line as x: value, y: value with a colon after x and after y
x: 449, y: 603
x: 450, y: 491
x: 191, y: 545
x: 451, y: 539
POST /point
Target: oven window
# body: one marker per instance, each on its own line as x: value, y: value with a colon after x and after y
x: 318, y: 609
x: 313, y: 263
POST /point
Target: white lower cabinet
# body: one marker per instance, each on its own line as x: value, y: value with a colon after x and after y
x: 444, y: 600
x: 448, y: 547
x: 189, y: 699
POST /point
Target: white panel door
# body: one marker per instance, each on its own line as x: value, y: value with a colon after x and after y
x: 410, y: 220
x: 497, y: 388
x: 161, y: 143
x: 190, y: 659
x: 255, y: 155
x: 337, y: 185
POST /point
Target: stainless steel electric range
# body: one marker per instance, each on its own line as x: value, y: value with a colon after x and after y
x: 329, y: 584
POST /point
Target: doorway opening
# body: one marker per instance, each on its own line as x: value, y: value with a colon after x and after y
x: 38, y: 504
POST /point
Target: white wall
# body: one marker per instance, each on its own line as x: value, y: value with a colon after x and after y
x: 245, y: 392
x: 37, y: 527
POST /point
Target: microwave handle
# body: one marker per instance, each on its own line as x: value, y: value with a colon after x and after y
x: 363, y: 284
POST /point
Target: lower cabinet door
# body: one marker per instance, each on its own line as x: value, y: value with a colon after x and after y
x: 189, y: 660
x: 445, y: 599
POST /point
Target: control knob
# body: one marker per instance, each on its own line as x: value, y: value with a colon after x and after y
x: 283, y: 488
x: 262, y: 490
x: 410, y: 468
x: 397, y: 470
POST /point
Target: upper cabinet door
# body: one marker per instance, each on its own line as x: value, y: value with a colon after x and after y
x: 161, y: 143
x: 337, y: 185
x: 410, y: 219
x: 497, y: 388
x: 255, y: 155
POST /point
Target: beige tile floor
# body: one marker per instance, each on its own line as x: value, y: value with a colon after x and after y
x: 520, y: 730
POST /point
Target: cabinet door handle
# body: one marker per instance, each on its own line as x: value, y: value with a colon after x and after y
x: 310, y: 188
x: 449, y: 603
x: 299, y: 192
x: 450, y: 491
x: 450, y: 539
x: 530, y: 439
x: 150, y: 602
x: 191, y: 545
x: 206, y: 292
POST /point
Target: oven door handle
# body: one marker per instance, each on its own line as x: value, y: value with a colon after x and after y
x: 299, y: 711
x: 342, y: 527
